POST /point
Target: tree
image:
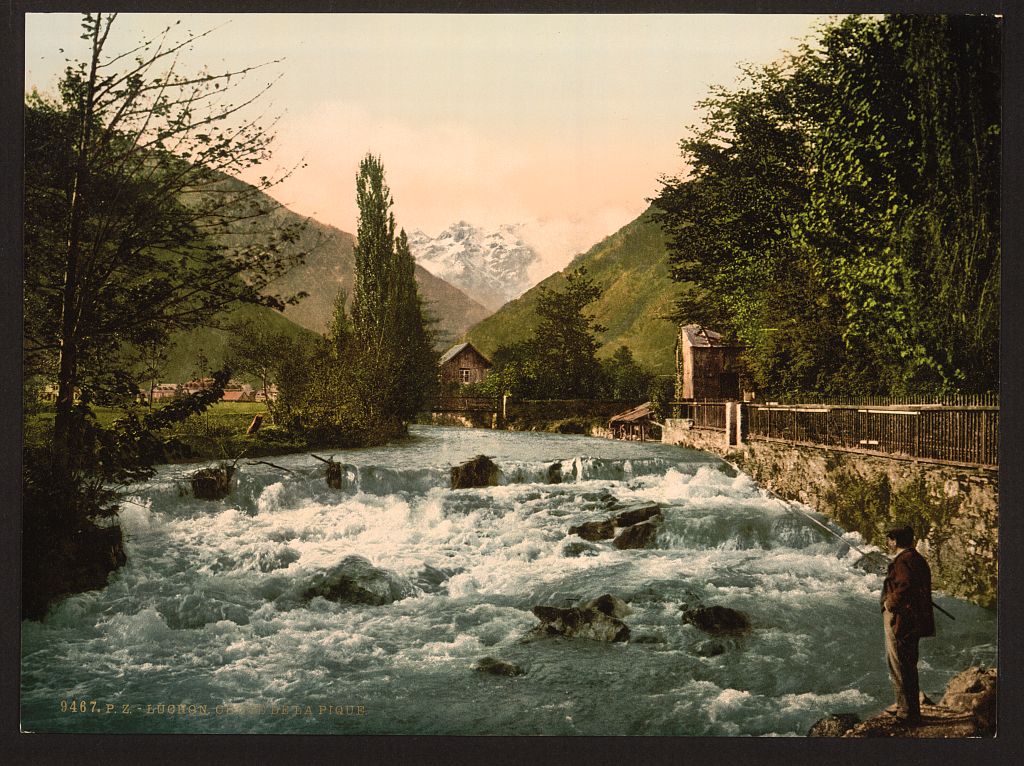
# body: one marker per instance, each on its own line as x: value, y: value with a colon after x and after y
x: 396, y: 365
x: 564, y: 344
x: 841, y: 214
x: 625, y: 378
x: 128, y: 208
x: 257, y: 348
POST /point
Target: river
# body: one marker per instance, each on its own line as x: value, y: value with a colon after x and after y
x: 209, y: 627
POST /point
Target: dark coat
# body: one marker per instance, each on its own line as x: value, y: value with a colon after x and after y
x: 907, y: 593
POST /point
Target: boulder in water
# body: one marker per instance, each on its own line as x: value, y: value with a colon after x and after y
x: 718, y: 620
x: 640, y: 535
x: 709, y: 648
x: 637, y: 513
x: 609, y: 605
x: 834, y: 725
x: 577, y: 622
x: 497, y: 667
x: 431, y: 578
x: 212, y: 483
x: 481, y: 471
x: 974, y: 691
x: 874, y: 562
x: 594, y: 530
x: 356, y: 581
x: 555, y: 473
x: 574, y: 550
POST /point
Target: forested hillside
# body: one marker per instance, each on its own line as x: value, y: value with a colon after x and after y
x: 631, y: 269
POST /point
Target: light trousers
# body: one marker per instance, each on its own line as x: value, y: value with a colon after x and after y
x: 902, y: 655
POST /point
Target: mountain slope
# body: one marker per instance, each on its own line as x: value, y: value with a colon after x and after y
x: 210, y: 343
x: 631, y: 267
x: 330, y: 266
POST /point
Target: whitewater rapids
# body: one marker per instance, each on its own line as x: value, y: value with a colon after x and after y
x: 208, y: 628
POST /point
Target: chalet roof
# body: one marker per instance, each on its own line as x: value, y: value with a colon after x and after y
x: 458, y: 349
x: 634, y: 415
x: 702, y: 337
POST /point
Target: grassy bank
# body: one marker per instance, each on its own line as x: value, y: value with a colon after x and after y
x: 217, y: 434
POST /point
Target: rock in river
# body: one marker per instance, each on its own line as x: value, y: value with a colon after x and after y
x: 481, y: 471
x: 498, y: 667
x: 637, y: 513
x: 594, y: 530
x: 640, y: 535
x: 580, y: 622
x: 356, y: 581
x: 718, y: 620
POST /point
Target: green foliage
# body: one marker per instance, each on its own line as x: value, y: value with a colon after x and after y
x: 841, y: 215
x: 376, y: 369
x: 624, y: 378
x: 637, y: 297
x: 564, y: 345
x: 124, y: 204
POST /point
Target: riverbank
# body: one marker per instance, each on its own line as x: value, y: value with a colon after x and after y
x: 968, y: 708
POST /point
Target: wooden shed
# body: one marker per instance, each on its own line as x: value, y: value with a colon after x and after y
x: 634, y: 424
x: 463, y: 364
x: 707, y: 366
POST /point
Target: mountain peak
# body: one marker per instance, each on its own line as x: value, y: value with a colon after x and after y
x: 490, y: 265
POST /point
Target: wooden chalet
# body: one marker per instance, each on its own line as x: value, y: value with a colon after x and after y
x: 463, y: 364
x: 707, y: 366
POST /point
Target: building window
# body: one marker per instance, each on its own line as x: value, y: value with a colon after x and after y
x: 464, y: 374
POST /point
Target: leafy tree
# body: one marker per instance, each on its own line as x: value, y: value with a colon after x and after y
x: 841, y: 214
x: 257, y: 348
x: 126, y: 196
x: 625, y: 379
x: 564, y: 345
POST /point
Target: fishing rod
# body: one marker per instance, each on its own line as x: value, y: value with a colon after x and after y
x: 788, y: 505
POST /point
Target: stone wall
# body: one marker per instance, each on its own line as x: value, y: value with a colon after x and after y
x: 953, y: 509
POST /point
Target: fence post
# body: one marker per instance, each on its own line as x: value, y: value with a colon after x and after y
x: 729, y: 426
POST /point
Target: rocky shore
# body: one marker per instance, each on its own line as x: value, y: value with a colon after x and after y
x: 967, y: 709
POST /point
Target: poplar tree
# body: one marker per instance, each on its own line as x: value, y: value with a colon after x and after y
x: 396, y: 363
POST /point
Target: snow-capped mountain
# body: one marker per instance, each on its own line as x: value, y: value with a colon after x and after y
x: 490, y: 266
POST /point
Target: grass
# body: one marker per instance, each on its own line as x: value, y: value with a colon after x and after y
x: 217, y: 433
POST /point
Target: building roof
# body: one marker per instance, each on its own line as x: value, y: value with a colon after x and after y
x: 700, y: 336
x: 634, y: 415
x: 458, y: 349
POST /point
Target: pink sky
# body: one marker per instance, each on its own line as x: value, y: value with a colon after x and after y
x: 562, y: 123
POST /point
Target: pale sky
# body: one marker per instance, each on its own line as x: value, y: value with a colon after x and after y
x: 562, y: 123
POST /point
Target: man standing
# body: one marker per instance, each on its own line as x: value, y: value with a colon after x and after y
x: 906, y: 617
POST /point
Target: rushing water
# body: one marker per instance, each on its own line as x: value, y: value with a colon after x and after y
x: 207, y: 628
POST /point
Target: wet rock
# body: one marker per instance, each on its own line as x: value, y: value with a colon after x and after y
x: 709, y: 648
x: 555, y: 473
x: 481, y: 471
x: 834, y: 725
x: 355, y: 580
x: 974, y: 691
x: 212, y: 483
x: 574, y: 550
x: 637, y: 513
x: 576, y: 622
x: 335, y: 476
x: 718, y: 620
x: 647, y: 638
x: 874, y: 562
x: 640, y: 535
x: 594, y: 530
x: 609, y: 605
x: 430, y: 578
x: 496, y: 667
